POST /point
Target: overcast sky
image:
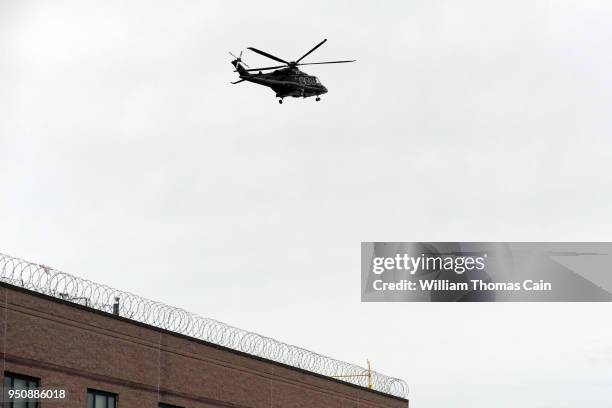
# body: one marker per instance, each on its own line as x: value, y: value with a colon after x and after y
x: 129, y: 159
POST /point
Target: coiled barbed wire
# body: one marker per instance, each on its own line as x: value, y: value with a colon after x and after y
x: 48, y: 281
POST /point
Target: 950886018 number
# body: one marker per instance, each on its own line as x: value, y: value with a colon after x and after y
x: 36, y: 394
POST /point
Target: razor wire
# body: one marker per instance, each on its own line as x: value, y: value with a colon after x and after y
x: 61, y: 285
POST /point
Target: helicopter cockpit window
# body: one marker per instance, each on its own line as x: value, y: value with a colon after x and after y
x: 308, y: 80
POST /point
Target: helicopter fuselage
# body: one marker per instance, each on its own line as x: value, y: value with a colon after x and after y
x: 285, y: 82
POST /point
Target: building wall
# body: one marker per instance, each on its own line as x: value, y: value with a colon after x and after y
x: 75, y: 349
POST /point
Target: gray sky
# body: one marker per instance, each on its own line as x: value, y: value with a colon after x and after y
x: 129, y: 159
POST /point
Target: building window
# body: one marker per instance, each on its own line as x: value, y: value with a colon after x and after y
x: 19, y: 382
x: 101, y: 399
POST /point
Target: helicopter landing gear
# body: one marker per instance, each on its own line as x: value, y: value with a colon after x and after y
x: 317, y: 99
x: 280, y: 101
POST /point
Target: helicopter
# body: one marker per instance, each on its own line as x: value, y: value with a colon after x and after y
x: 286, y: 80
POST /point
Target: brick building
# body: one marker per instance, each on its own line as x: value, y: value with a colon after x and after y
x: 104, y: 360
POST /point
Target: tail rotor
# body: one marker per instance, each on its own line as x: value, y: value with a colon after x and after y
x: 238, y: 60
x: 238, y: 65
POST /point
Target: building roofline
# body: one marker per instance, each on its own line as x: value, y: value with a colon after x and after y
x: 56, y: 286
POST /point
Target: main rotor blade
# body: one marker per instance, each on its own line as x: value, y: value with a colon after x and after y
x: 265, y: 54
x: 326, y: 62
x: 309, y: 52
x: 266, y: 68
x: 237, y: 82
